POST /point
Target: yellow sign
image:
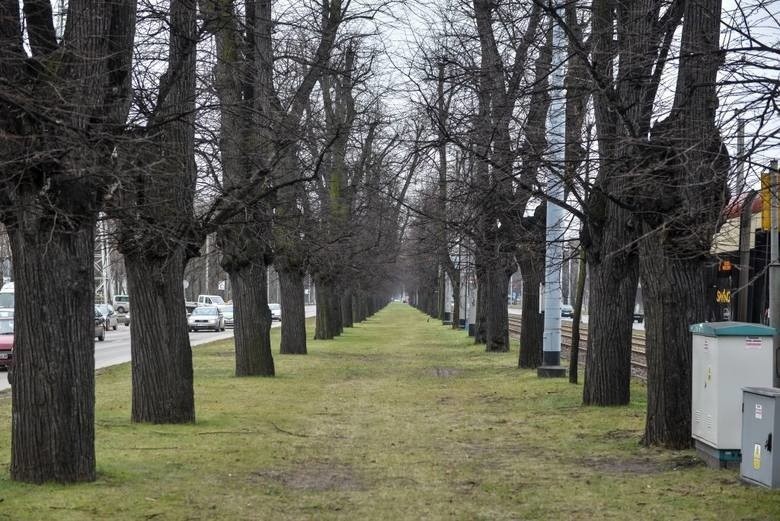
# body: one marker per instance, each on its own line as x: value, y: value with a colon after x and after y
x: 756, y: 456
x: 723, y: 296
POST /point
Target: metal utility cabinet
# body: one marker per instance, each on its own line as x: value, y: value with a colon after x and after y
x: 760, y: 426
x: 727, y: 356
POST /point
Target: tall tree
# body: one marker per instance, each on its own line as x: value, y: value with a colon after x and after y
x: 63, y: 104
x: 498, y: 91
x: 158, y: 233
x: 681, y: 193
x: 630, y: 44
x: 258, y: 130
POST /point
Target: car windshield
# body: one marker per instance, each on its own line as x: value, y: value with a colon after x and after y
x: 104, y: 308
x: 6, y: 326
x: 204, y: 311
x: 274, y: 307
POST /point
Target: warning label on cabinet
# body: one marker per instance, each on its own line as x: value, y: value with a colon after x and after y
x: 759, y: 411
x: 753, y: 342
x: 756, y: 456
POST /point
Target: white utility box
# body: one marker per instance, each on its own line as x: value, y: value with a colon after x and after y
x: 727, y: 356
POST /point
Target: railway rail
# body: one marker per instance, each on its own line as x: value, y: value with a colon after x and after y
x: 638, y: 359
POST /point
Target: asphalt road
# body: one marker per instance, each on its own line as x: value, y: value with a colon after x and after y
x: 115, y: 349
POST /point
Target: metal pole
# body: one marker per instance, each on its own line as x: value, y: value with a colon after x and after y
x: 551, y: 347
x: 774, y: 266
x: 745, y: 218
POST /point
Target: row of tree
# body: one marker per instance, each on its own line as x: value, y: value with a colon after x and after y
x: 261, y: 124
x: 645, y: 173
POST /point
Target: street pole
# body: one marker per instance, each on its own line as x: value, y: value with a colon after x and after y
x: 551, y: 345
x: 774, y: 267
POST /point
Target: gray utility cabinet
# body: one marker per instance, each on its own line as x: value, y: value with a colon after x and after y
x: 760, y: 425
x: 727, y: 356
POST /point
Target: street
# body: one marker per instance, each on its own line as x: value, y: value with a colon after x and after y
x: 115, y: 349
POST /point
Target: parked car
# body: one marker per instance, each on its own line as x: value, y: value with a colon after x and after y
x: 567, y: 311
x: 210, y: 300
x: 206, y: 317
x: 227, y: 313
x: 109, y: 317
x: 100, y: 326
x: 639, y: 316
x: 6, y: 342
x: 121, y: 303
x: 7, y: 296
x: 276, y: 311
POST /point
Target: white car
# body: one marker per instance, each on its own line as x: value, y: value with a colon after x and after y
x: 206, y: 317
x: 276, y: 311
x: 109, y: 317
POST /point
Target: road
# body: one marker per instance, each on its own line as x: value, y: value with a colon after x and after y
x: 115, y: 349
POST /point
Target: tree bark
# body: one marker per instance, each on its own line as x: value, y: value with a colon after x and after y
x: 293, y: 313
x: 532, y: 330
x: 613, y: 283
x: 159, y: 343
x: 455, y: 281
x: 346, y: 308
x: 497, y: 310
x: 252, y: 324
x: 574, y: 354
x: 674, y: 298
x: 53, y: 398
x: 480, y: 322
x: 324, y: 326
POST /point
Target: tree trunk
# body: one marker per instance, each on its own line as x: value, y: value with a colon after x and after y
x: 532, y: 330
x: 480, y: 321
x: 497, y: 310
x: 323, y: 329
x: 293, y: 313
x: 346, y: 308
x: 159, y: 343
x: 613, y: 282
x: 674, y: 298
x: 574, y: 352
x: 53, y: 378
x: 252, y: 324
x: 455, y: 278
x: 336, y: 325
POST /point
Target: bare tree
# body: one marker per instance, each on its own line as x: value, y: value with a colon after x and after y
x: 157, y: 231
x: 683, y: 192
x: 63, y: 102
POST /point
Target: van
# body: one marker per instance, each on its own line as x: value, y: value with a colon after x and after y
x: 121, y: 303
x: 7, y: 296
x: 210, y: 300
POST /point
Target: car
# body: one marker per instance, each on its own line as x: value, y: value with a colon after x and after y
x: 6, y: 342
x: 7, y: 296
x: 227, y: 313
x: 276, y: 311
x: 567, y: 311
x: 109, y: 317
x: 100, y: 326
x: 121, y: 303
x: 210, y: 300
x: 639, y: 316
x: 206, y: 317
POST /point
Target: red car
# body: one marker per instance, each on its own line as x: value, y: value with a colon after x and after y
x: 6, y: 341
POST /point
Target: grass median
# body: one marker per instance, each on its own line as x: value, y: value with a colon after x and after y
x: 399, y: 418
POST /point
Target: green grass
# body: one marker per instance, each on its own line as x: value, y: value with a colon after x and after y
x: 400, y: 418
